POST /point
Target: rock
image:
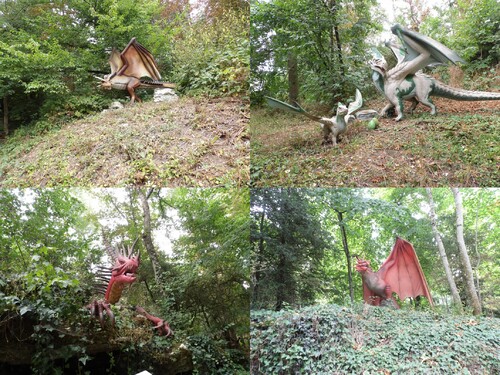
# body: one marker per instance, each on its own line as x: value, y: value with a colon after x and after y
x: 165, y: 95
x: 116, y: 105
x: 366, y: 114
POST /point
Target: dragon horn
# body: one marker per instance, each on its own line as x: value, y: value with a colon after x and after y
x: 131, y: 249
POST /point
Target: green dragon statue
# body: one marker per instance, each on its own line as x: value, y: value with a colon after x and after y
x: 332, y: 127
x: 407, y: 82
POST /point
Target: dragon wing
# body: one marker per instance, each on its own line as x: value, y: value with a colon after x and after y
x: 423, y: 49
x: 115, y: 61
x: 275, y: 103
x: 137, y: 62
x: 403, y: 273
x: 398, y: 51
x: 356, y: 104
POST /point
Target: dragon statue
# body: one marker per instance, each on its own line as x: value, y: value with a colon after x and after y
x: 407, y: 82
x: 400, y: 273
x: 113, y: 280
x: 127, y: 69
x: 332, y: 127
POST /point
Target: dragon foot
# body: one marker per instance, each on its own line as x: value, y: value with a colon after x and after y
x: 161, y: 325
x: 98, y: 308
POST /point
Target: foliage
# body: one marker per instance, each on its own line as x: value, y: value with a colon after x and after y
x: 372, y: 219
x: 50, y: 50
x: 50, y: 297
x: 211, y: 58
x: 329, y: 339
x: 470, y: 27
x: 328, y: 38
x: 289, y: 244
x: 52, y: 242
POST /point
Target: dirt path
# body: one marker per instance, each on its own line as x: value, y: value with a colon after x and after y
x: 187, y: 143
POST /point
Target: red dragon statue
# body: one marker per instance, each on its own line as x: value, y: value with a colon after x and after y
x: 400, y: 273
x: 114, y: 280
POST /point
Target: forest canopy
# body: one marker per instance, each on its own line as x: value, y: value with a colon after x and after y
x: 193, y: 272
x: 50, y: 50
x: 300, y: 255
x: 317, y: 51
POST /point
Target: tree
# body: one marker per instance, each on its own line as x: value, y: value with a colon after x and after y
x: 469, y: 276
x: 326, y: 38
x: 289, y: 244
x: 442, y: 252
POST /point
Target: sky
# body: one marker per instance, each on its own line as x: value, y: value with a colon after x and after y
x: 391, y: 7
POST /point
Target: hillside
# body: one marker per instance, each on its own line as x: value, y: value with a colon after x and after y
x: 330, y: 339
x: 458, y: 146
x: 193, y: 142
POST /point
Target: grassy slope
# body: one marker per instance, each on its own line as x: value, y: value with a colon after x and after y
x: 330, y: 339
x: 459, y: 146
x: 188, y: 143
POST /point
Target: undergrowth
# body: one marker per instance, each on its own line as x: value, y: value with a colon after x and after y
x: 330, y: 339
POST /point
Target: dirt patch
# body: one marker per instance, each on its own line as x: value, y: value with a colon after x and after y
x: 459, y: 146
x: 193, y: 142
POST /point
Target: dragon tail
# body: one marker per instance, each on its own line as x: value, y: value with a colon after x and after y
x: 442, y: 90
x: 157, y: 84
x: 275, y: 103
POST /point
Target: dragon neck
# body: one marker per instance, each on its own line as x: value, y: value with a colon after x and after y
x: 378, y: 80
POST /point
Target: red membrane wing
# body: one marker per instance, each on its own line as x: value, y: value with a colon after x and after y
x: 403, y: 273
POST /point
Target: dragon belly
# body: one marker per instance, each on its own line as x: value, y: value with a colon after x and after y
x: 116, y: 286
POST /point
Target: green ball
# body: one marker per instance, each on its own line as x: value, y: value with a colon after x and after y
x: 373, y: 124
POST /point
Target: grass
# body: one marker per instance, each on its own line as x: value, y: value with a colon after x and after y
x: 459, y: 146
x: 193, y: 142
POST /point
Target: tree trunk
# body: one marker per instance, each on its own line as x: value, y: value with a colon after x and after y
x: 280, y: 282
x: 293, y: 78
x: 5, y: 116
x: 258, y: 273
x: 469, y: 276
x: 442, y: 253
x: 347, y: 254
x: 146, y: 236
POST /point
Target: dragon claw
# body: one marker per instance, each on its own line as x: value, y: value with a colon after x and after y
x: 99, y: 309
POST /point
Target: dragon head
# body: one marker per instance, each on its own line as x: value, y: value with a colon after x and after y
x: 378, y: 62
x: 341, y: 109
x: 105, y: 82
x: 362, y: 265
x: 125, y: 268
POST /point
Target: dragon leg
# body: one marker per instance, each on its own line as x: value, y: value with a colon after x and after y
x: 414, y: 103
x: 428, y: 102
x: 131, y: 86
x: 100, y: 312
x: 109, y: 313
x: 327, y: 134
x: 164, y: 329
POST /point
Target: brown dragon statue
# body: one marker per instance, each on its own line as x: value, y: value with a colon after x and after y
x: 128, y: 69
x: 406, y: 81
x: 112, y: 281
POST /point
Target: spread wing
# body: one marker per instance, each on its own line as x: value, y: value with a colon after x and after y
x: 356, y: 104
x: 403, y: 273
x: 136, y: 61
x: 421, y: 51
x: 115, y: 61
x: 275, y: 103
